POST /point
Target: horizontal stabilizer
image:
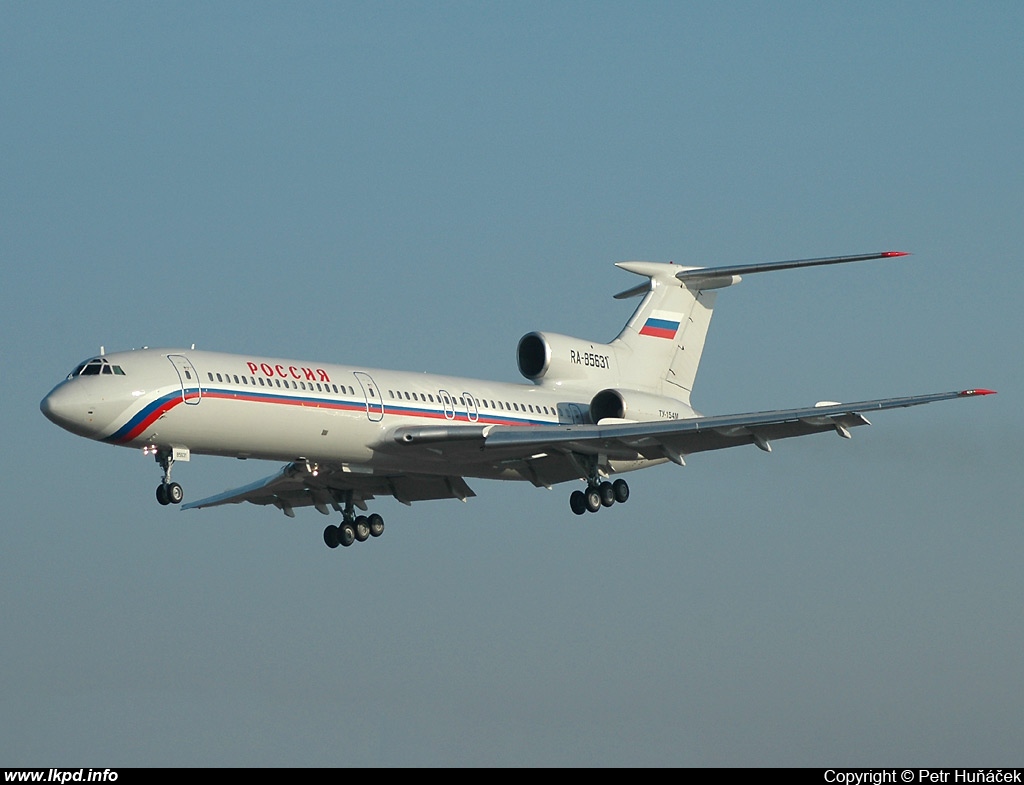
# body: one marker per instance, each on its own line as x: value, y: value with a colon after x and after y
x: 716, y: 277
x: 701, y: 273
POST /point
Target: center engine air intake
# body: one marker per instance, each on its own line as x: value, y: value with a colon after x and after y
x: 560, y: 358
x: 533, y: 356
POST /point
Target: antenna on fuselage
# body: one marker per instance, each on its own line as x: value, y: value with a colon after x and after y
x: 103, y: 351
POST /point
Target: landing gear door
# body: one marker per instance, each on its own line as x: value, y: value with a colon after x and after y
x: 374, y: 401
x: 191, y: 392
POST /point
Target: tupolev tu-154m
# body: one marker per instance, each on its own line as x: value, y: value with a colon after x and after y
x: 589, y: 411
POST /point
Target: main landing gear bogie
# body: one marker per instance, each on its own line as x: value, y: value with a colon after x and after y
x: 599, y: 495
x: 360, y: 529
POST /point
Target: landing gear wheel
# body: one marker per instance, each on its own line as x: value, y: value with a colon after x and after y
x: 174, y: 493
x: 621, y: 489
x: 168, y: 492
x: 376, y: 525
x: 346, y: 535
x: 362, y: 529
x: 607, y: 492
x: 331, y: 536
x: 593, y: 499
x: 578, y: 502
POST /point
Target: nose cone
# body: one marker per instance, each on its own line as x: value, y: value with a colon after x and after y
x: 68, y: 410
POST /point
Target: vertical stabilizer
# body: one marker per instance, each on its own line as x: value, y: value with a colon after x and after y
x: 659, y: 349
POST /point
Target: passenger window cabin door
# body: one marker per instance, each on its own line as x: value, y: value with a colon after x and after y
x: 191, y: 392
x: 448, y: 403
x: 472, y: 411
x: 374, y: 401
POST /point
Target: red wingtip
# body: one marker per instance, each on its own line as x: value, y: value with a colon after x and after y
x: 889, y: 254
x: 978, y: 391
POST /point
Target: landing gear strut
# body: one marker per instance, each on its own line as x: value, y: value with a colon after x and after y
x: 353, y: 528
x: 167, y: 492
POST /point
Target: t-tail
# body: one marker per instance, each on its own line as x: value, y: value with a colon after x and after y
x: 658, y: 351
x: 660, y: 347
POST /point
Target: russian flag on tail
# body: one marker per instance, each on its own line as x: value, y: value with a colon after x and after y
x: 661, y: 324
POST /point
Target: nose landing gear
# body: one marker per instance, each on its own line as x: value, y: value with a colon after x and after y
x: 167, y: 492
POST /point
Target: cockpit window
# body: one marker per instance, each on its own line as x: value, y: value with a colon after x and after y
x: 96, y: 367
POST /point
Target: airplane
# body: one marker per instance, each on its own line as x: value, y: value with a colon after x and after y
x: 589, y: 411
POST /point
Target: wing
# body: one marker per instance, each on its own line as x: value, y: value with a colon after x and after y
x: 300, y: 484
x: 543, y: 455
x: 550, y: 454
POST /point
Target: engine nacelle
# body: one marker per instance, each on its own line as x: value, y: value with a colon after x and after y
x: 636, y: 406
x: 555, y: 358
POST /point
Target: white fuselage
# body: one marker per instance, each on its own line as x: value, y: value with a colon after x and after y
x: 257, y: 407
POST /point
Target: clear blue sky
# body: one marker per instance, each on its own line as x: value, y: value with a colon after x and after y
x: 416, y: 185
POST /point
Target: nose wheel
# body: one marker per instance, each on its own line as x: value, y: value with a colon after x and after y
x: 167, y: 492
